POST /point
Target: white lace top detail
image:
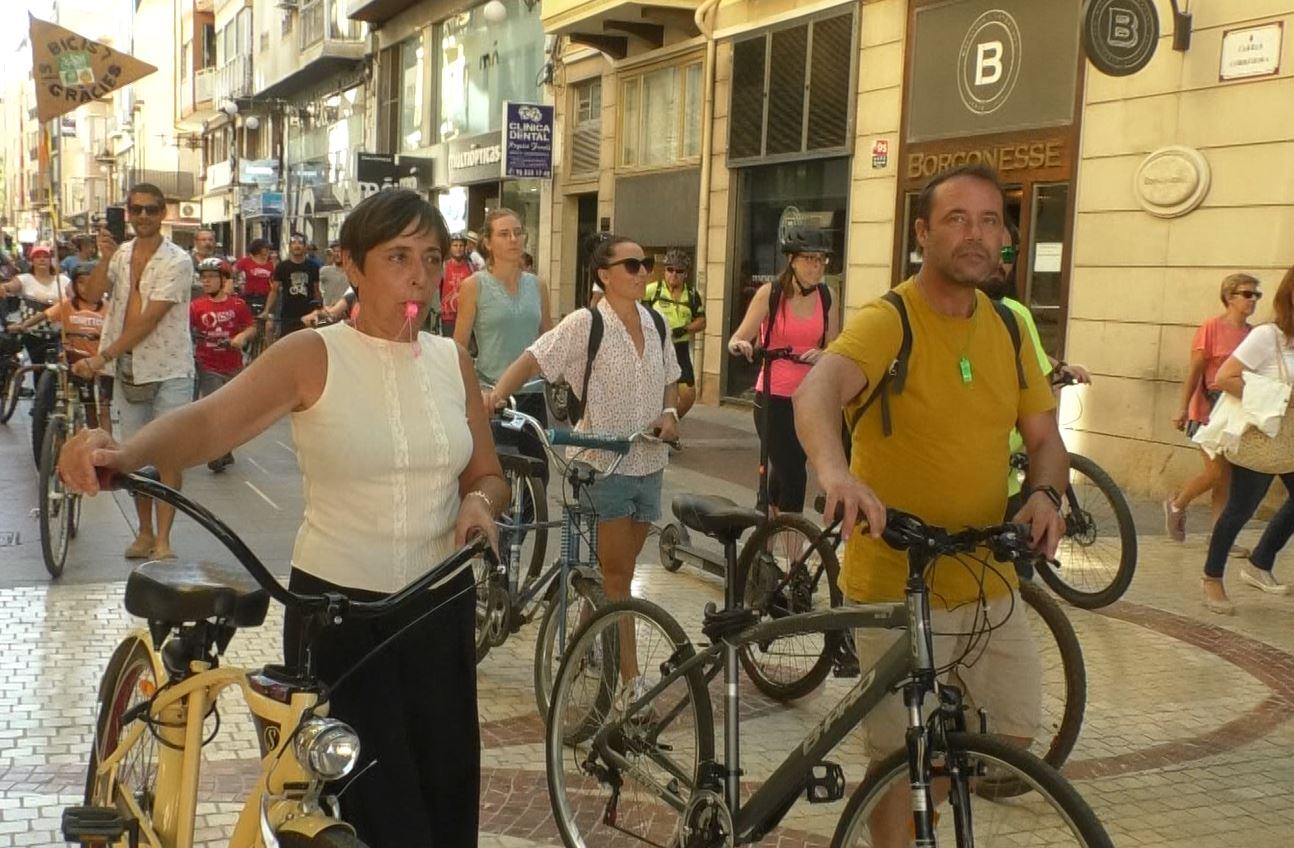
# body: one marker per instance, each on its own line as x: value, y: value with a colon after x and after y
x: 380, y: 454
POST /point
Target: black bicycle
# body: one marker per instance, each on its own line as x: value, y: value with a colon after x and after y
x: 630, y: 746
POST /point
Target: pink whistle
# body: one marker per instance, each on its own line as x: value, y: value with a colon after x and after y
x: 410, y: 313
x: 410, y: 309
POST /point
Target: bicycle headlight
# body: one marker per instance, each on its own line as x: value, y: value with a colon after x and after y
x: 326, y: 748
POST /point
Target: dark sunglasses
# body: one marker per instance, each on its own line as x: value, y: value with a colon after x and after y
x: 675, y: 270
x: 1008, y: 254
x: 1252, y: 295
x: 633, y: 264
x: 144, y: 209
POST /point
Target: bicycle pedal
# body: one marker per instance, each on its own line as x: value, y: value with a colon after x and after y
x: 93, y: 824
x: 825, y: 784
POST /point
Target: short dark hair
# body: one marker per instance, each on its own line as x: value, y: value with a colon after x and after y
x: 257, y: 246
x: 383, y: 216
x: 976, y: 171
x: 149, y: 189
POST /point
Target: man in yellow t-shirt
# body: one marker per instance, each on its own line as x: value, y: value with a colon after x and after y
x: 943, y: 461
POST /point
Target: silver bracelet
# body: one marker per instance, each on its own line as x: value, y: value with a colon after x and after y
x: 489, y: 504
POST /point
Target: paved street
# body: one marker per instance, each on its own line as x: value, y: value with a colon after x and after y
x: 1187, y: 739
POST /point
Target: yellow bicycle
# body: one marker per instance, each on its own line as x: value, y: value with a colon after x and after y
x: 163, y: 682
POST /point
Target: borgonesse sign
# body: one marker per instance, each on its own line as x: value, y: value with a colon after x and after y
x: 527, y: 141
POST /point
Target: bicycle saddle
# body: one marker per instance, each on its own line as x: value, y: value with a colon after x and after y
x: 715, y: 516
x: 176, y: 593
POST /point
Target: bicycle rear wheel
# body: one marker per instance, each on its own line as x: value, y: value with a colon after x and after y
x: 529, y: 505
x: 128, y: 681
x: 1052, y: 814
x: 42, y: 407
x: 11, y: 386
x: 584, y: 597
x: 616, y: 766
x: 57, y: 509
x: 787, y: 568
x: 1098, y: 553
x: 1064, y: 687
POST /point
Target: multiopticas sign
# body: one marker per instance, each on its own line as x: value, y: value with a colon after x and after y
x: 487, y: 155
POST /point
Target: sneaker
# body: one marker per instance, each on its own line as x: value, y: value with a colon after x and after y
x: 1174, y: 521
x: 1262, y: 579
x: 1238, y: 552
x: 1215, y: 598
x: 140, y: 548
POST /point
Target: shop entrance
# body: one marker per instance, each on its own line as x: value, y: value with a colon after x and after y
x: 586, y: 226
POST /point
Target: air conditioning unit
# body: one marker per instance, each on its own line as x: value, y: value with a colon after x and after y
x: 191, y: 210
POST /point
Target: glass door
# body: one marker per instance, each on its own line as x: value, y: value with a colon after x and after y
x: 1045, y: 251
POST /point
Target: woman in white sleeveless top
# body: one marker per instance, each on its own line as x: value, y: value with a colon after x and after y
x: 397, y: 467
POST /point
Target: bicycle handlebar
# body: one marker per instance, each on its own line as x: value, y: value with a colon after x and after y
x: 145, y: 483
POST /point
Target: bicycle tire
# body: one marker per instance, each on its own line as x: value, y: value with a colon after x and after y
x: 56, y: 507
x: 1066, y: 683
x: 11, y: 384
x: 42, y: 407
x: 670, y: 538
x: 677, y: 727
x: 589, y: 598
x: 534, y: 502
x: 124, y: 677
x: 756, y: 594
x: 1069, y: 810
x: 1080, y: 580
x: 331, y: 837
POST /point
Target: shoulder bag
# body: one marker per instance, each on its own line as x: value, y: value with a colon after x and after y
x: 1269, y: 454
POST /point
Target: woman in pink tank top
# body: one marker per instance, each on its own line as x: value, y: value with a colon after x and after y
x: 802, y: 319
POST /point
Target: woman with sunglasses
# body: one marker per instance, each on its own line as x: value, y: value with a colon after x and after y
x: 1215, y: 340
x: 39, y: 290
x: 632, y: 389
x: 801, y: 319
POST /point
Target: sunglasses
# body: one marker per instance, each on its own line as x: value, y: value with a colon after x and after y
x: 1252, y: 295
x: 144, y: 209
x: 633, y: 264
x: 676, y: 270
x: 1007, y: 254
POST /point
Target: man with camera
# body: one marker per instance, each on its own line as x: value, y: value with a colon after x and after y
x: 145, y: 343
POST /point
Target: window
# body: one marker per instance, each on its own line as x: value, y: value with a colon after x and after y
x: 388, y: 95
x: 412, y: 93
x: 208, y: 57
x: 586, y: 127
x: 792, y: 89
x: 482, y: 64
x: 661, y: 116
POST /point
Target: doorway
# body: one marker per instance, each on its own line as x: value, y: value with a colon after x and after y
x: 586, y: 225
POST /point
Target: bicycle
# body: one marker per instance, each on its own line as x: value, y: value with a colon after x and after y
x: 1097, y: 558
x: 507, y: 598
x: 163, y: 682
x: 640, y: 760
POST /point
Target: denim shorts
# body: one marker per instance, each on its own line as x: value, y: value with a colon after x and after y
x: 172, y: 394
x: 621, y: 496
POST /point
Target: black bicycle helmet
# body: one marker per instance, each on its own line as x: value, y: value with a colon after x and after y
x: 803, y: 238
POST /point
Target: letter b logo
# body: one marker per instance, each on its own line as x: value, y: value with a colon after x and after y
x: 1124, y: 29
x: 988, y: 62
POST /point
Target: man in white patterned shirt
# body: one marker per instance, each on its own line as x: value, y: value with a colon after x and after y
x: 145, y: 342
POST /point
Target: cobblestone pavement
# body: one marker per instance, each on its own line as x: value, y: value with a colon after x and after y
x: 1186, y: 742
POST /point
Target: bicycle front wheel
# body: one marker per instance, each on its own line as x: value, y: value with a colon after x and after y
x: 1064, y: 687
x: 623, y: 759
x: 11, y: 385
x: 787, y: 568
x: 1098, y: 552
x: 1052, y: 814
x: 57, y: 505
x: 584, y: 596
x: 129, y: 681
x: 42, y: 407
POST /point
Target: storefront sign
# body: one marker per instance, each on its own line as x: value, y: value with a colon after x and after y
x: 475, y: 159
x: 1003, y: 157
x: 1251, y: 52
x: 262, y: 172
x: 880, y: 154
x: 1172, y: 181
x: 263, y: 204
x: 374, y: 171
x: 527, y: 140
x: 1120, y: 35
x: 977, y: 68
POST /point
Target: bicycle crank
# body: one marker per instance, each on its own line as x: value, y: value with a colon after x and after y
x: 498, y: 610
x: 706, y: 823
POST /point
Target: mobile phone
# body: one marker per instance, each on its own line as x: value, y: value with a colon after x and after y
x: 115, y: 222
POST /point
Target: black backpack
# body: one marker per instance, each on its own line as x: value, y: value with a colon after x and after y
x: 576, y: 404
x: 774, y: 300
x: 894, y: 378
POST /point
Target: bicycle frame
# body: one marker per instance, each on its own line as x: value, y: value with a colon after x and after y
x: 276, y: 803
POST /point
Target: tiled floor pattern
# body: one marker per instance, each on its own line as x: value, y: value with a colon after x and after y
x: 1187, y: 739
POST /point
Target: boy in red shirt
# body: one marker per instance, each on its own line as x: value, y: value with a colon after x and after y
x: 222, y: 325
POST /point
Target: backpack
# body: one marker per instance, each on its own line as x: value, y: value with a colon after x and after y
x: 576, y: 404
x: 774, y: 300
x: 894, y: 378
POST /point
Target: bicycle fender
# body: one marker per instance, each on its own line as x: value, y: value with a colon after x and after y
x: 312, y: 825
x: 119, y: 655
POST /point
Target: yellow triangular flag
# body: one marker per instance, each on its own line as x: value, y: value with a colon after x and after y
x: 72, y: 70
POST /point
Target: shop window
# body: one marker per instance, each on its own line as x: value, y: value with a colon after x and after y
x: 661, y: 117
x: 792, y: 88
x: 412, y: 93
x: 586, y: 127
x: 484, y: 63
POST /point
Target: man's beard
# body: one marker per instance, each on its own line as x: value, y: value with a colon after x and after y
x: 997, y: 286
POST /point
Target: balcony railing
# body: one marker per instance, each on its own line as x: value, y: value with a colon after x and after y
x: 234, y: 79
x: 177, y: 185
x: 203, y: 85
x: 322, y: 19
x: 314, y: 20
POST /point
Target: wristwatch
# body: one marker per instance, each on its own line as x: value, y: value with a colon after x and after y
x: 1050, y: 492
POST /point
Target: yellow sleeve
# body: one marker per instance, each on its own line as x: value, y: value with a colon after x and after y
x: 871, y: 341
x: 1036, y: 396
